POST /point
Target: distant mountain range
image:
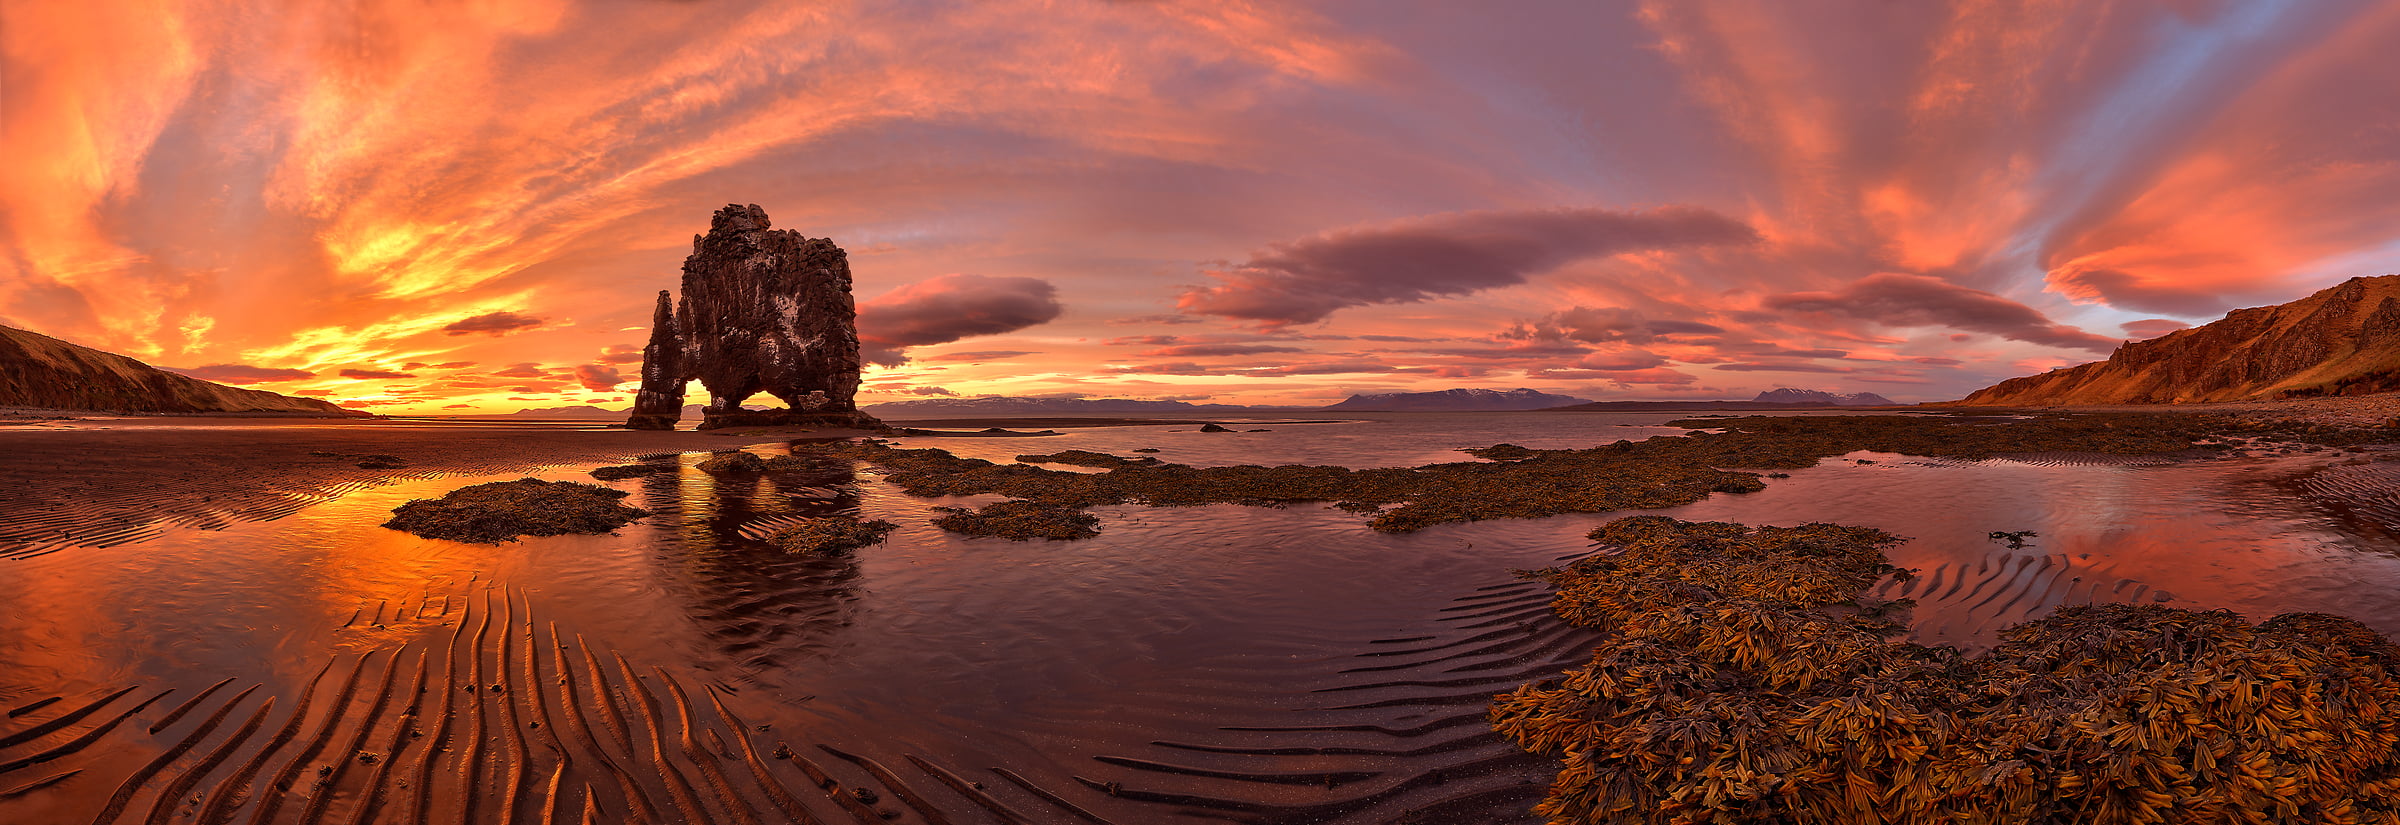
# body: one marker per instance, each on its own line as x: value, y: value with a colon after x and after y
x: 1454, y: 400
x: 1786, y: 395
x: 1002, y: 405
x: 690, y: 413
x: 1776, y: 399
x: 2344, y: 340
x: 1462, y: 400
x: 42, y: 372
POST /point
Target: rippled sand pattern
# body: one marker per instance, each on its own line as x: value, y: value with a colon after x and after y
x: 1967, y: 601
x: 1398, y: 735
x: 498, y: 716
x: 470, y: 707
x: 2368, y: 492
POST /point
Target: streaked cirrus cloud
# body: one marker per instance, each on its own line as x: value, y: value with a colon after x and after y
x: 1440, y: 256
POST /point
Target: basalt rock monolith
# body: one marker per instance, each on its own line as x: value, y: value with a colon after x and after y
x: 763, y: 310
x: 659, y: 404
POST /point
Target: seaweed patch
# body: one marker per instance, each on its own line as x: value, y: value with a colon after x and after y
x: 1744, y: 681
x: 505, y: 510
x: 831, y: 535
x: 1021, y: 520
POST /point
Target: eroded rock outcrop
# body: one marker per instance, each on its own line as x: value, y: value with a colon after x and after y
x: 2344, y: 340
x: 763, y: 310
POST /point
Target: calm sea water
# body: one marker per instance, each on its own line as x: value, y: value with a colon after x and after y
x: 1125, y: 675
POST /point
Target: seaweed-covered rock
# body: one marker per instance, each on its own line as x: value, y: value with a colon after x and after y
x: 1087, y: 458
x: 735, y: 461
x: 1215, y: 428
x: 625, y: 471
x: 1021, y: 520
x: 1501, y: 452
x: 505, y: 510
x: 1746, y: 681
x: 831, y: 535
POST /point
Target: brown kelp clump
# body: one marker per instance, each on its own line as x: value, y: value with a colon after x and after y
x: 1021, y: 520
x: 831, y: 535
x: 504, y: 510
x: 1738, y: 687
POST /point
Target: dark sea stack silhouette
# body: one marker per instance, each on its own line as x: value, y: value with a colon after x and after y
x: 2344, y: 340
x: 763, y: 310
x: 659, y: 404
x: 43, y: 372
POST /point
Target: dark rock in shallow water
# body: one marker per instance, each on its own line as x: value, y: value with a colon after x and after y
x: 1021, y: 520
x: 1212, y: 428
x: 763, y: 310
x: 1087, y: 458
x: 505, y: 510
x: 734, y: 462
x: 624, y: 471
x: 381, y: 462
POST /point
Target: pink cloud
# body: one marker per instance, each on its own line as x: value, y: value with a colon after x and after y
x: 1903, y: 300
x: 2148, y: 328
x: 950, y: 307
x: 493, y: 323
x: 597, y: 377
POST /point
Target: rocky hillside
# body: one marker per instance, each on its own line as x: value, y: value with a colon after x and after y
x: 42, y: 372
x: 1461, y: 400
x: 2341, y: 341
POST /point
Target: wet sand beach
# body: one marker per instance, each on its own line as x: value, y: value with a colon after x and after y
x: 225, y: 634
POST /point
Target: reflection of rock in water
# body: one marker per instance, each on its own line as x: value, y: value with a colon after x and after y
x: 761, y: 604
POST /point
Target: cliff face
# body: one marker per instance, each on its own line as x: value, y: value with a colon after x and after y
x: 46, y: 373
x: 2342, y: 341
x: 763, y: 310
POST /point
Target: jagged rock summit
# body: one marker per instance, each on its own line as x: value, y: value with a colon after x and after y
x: 2344, y: 340
x: 1787, y: 395
x: 763, y: 310
x: 41, y: 372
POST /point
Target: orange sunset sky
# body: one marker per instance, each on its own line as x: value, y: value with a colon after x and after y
x: 427, y: 206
